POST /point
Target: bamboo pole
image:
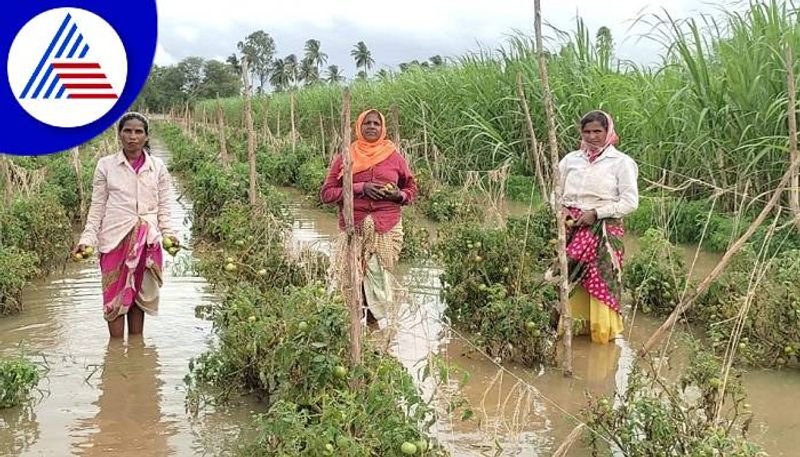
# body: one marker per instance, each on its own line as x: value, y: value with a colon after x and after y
x: 9, y: 184
x: 394, y: 116
x: 291, y: 112
x: 533, y: 150
x: 76, y: 164
x: 714, y: 274
x: 267, y: 131
x: 564, y: 291
x: 223, y: 149
x: 794, y: 193
x: 251, y: 134
x: 322, y: 132
x: 354, y: 299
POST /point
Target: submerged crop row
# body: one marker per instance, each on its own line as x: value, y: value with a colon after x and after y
x: 281, y: 335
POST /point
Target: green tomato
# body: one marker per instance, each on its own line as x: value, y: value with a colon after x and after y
x: 340, y: 372
x: 408, y: 448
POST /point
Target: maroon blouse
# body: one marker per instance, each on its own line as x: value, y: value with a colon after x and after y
x: 385, y: 213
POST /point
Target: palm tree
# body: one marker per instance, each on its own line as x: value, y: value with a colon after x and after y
x: 233, y: 61
x: 314, y: 55
x: 278, y: 75
x: 363, y: 57
x: 292, y: 68
x: 308, y: 73
x: 334, y: 75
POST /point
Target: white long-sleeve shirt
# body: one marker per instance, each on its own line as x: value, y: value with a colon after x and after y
x: 607, y: 185
x: 120, y: 197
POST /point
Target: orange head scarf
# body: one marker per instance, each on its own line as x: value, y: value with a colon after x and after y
x: 365, y: 154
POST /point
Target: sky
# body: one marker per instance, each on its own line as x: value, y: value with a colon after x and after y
x: 403, y: 30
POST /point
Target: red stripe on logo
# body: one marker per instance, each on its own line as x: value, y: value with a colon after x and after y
x: 76, y: 65
x: 82, y: 75
x: 93, y: 96
x: 88, y: 86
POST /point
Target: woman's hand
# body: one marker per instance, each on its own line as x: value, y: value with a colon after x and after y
x: 78, y: 249
x: 393, y: 195
x: 374, y: 191
x: 589, y: 217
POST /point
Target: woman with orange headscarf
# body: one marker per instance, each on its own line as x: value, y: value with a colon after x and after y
x: 382, y: 184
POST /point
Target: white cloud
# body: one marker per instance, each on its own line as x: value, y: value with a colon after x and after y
x: 395, y: 31
x: 163, y: 57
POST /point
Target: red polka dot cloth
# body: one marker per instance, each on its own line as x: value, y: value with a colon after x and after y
x: 595, y: 258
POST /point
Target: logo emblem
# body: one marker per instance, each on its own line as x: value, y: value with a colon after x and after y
x: 67, y: 67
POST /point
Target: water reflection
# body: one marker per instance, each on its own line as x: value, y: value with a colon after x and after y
x: 129, y: 420
x: 19, y: 429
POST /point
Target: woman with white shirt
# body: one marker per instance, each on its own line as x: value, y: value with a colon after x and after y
x: 599, y: 185
x: 128, y: 218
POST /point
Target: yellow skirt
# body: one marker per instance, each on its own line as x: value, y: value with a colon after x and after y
x: 598, y: 319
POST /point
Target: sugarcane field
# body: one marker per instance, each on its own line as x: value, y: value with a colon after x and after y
x: 515, y: 228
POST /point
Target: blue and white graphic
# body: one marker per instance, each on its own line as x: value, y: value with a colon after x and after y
x: 75, y: 77
x: 73, y: 68
x: 65, y: 63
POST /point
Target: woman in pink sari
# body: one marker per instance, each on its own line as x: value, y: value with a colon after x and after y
x: 128, y: 218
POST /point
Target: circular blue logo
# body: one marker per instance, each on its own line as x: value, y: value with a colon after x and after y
x: 72, y: 69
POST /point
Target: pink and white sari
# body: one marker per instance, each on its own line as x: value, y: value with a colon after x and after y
x: 131, y: 272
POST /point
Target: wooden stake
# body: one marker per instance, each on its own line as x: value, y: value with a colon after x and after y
x: 251, y: 134
x: 564, y: 291
x: 714, y: 274
x: 394, y: 116
x: 354, y: 298
x: 794, y: 193
x: 223, y: 149
x: 6, y: 169
x: 533, y: 149
x: 322, y: 132
x: 291, y: 112
x: 76, y: 164
x: 267, y: 131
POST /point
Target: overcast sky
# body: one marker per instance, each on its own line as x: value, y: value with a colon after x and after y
x: 402, y: 30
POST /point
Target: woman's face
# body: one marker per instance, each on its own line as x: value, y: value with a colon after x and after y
x: 594, y: 133
x: 371, y: 128
x: 132, y: 135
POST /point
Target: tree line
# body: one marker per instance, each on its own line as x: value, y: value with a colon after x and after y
x: 195, y: 78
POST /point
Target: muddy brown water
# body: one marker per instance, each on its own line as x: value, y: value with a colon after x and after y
x: 127, y: 398
x: 104, y: 397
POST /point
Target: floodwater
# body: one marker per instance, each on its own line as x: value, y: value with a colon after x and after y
x: 526, y: 412
x: 127, y: 398
x: 102, y: 397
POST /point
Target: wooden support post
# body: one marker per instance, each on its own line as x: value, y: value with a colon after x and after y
x: 794, y: 193
x: 354, y: 296
x: 533, y: 149
x: 223, y: 149
x: 564, y: 291
x: 251, y: 134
